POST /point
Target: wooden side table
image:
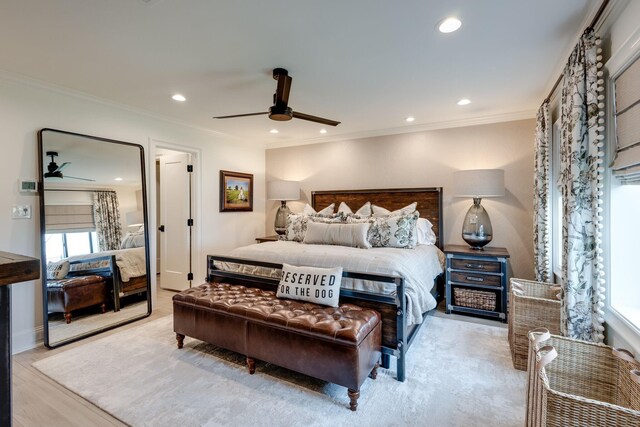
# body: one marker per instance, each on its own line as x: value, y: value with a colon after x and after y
x: 13, y: 268
x: 476, y: 281
x: 267, y: 239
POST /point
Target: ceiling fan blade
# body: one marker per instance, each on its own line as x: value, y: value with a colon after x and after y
x: 82, y: 179
x: 283, y: 89
x: 297, y: 115
x: 241, y: 115
x: 62, y: 166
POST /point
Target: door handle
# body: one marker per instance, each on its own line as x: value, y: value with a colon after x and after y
x: 161, y: 228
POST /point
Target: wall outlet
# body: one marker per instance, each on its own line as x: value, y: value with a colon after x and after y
x: 21, y: 212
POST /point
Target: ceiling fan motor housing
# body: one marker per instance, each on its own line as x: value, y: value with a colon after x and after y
x: 280, y: 114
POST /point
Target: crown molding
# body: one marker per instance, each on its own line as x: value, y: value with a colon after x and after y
x: 472, y: 121
x: 8, y: 76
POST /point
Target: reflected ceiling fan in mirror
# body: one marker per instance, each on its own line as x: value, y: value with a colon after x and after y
x: 55, y: 171
x: 280, y: 110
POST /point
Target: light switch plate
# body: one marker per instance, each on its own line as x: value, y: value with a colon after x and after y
x: 21, y: 212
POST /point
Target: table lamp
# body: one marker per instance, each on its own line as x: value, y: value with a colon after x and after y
x: 283, y: 191
x: 478, y: 183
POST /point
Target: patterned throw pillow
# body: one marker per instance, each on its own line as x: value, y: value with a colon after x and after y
x: 57, y: 270
x: 297, y: 225
x: 319, y: 285
x: 394, y: 231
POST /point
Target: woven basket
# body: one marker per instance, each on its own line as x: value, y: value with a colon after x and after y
x: 577, y: 383
x: 531, y: 305
x: 474, y: 299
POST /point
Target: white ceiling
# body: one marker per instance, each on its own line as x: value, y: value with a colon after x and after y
x: 368, y: 64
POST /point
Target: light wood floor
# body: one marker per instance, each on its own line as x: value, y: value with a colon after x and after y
x: 40, y: 401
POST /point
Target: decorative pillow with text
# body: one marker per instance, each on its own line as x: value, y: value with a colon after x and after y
x: 312, y: 284
x: 57, y: 270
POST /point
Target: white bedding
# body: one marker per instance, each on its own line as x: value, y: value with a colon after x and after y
x: 130, y: 262
x: 419, y: 267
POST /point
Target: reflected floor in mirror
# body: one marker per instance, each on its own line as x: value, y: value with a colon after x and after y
x: 87, y: 321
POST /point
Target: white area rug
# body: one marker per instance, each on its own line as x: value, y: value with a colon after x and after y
x: 459, y: 374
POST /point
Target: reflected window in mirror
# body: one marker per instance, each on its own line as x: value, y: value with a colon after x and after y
x: 95, y: 250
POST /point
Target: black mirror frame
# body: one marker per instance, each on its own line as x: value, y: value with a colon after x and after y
x: 41, y: 169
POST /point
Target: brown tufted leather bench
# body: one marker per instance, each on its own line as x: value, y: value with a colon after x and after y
x: 74, y: 293
x: 339, y: 345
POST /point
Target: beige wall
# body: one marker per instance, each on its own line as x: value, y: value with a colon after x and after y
x: 26, y: 107
x: 426, y: 159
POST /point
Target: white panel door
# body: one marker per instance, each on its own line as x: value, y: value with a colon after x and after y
x: 175, y: 241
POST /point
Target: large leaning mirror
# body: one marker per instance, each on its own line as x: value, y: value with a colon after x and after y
x: 95, y: 246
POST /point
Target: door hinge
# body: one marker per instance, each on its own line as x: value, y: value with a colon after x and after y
x: 189, y: 168
x: 189, y: 276
x: 190, y: 222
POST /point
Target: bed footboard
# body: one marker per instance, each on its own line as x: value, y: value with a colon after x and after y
x: 397, y: 336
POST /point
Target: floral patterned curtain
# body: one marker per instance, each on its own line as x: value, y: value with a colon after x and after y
x: 107, y: 216
x: 541, y: 197
x: 581, y: 183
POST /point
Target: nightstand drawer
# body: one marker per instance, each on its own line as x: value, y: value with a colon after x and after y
x: 476, y: 279
x: 476, y: 265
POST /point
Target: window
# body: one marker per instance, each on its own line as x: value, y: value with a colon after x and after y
x: 63, y: 245
x: 624, y: 191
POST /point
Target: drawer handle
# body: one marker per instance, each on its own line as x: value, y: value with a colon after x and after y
x: 475, y: 279
x: 478, y: 266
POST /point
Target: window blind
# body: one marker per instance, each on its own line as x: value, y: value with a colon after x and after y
x: 626, y: 164
x: 69, y: 218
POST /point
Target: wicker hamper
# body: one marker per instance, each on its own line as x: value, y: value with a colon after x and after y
x: 531, y: 305
x: 577, y: 383
x: 474, y: 299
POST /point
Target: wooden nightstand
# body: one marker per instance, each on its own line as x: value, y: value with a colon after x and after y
x: 267, y: 239
x: 476, y: 281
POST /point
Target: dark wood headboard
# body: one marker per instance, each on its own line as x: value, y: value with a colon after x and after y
x: 429, y: 202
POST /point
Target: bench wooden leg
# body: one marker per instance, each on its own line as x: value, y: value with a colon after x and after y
x: 251, y: 364
x: 103, y: 307
x: 67, y: 317
x: 353, y: 399
x: 374, y: 372
x: 180, y: 339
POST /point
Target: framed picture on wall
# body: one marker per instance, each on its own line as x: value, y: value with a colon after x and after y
x: 236, y: 192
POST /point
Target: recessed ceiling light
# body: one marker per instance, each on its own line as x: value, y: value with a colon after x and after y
x: 409, y: 119
x: 464, y: 101
x: 274, y: 131
x: 449, y: 25
x: 178, y: 97
x: 118, y: 179
x: 323, y: 131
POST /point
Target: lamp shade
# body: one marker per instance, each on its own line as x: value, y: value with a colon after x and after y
x: 283, y: 190
x: 479, y: 183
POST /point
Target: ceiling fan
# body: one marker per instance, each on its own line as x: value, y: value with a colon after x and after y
x: 280, y: 110
x: 55, y: 171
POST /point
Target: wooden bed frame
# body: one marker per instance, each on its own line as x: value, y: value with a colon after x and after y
x: 397, y: 336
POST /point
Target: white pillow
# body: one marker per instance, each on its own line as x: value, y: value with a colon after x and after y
x: 57, y: 270
x: 365, y: 210
x: 313, y: 284
x: 380, y: 211
x: 308, y: 210
x: 354, y: 235
x: 132, y: 240
x: 424, y: 232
